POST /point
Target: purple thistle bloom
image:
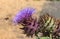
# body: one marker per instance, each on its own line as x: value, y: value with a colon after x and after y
x: 24, y: 17
x: 23, y: 14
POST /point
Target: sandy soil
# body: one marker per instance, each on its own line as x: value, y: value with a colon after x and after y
x: 8, y: 9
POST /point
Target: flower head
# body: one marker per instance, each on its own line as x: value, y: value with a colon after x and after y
x: 24, y: 17
x: 23, y: 14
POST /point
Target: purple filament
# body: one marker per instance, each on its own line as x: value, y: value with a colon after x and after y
x: 23, y: 14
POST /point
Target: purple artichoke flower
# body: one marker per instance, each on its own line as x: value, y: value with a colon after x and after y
x: 24, y: 17
x: 25, y: 13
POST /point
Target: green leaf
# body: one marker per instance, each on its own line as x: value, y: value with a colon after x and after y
x: 44, y: 38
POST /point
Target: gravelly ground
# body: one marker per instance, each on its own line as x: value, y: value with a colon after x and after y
x: 52, y: 8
